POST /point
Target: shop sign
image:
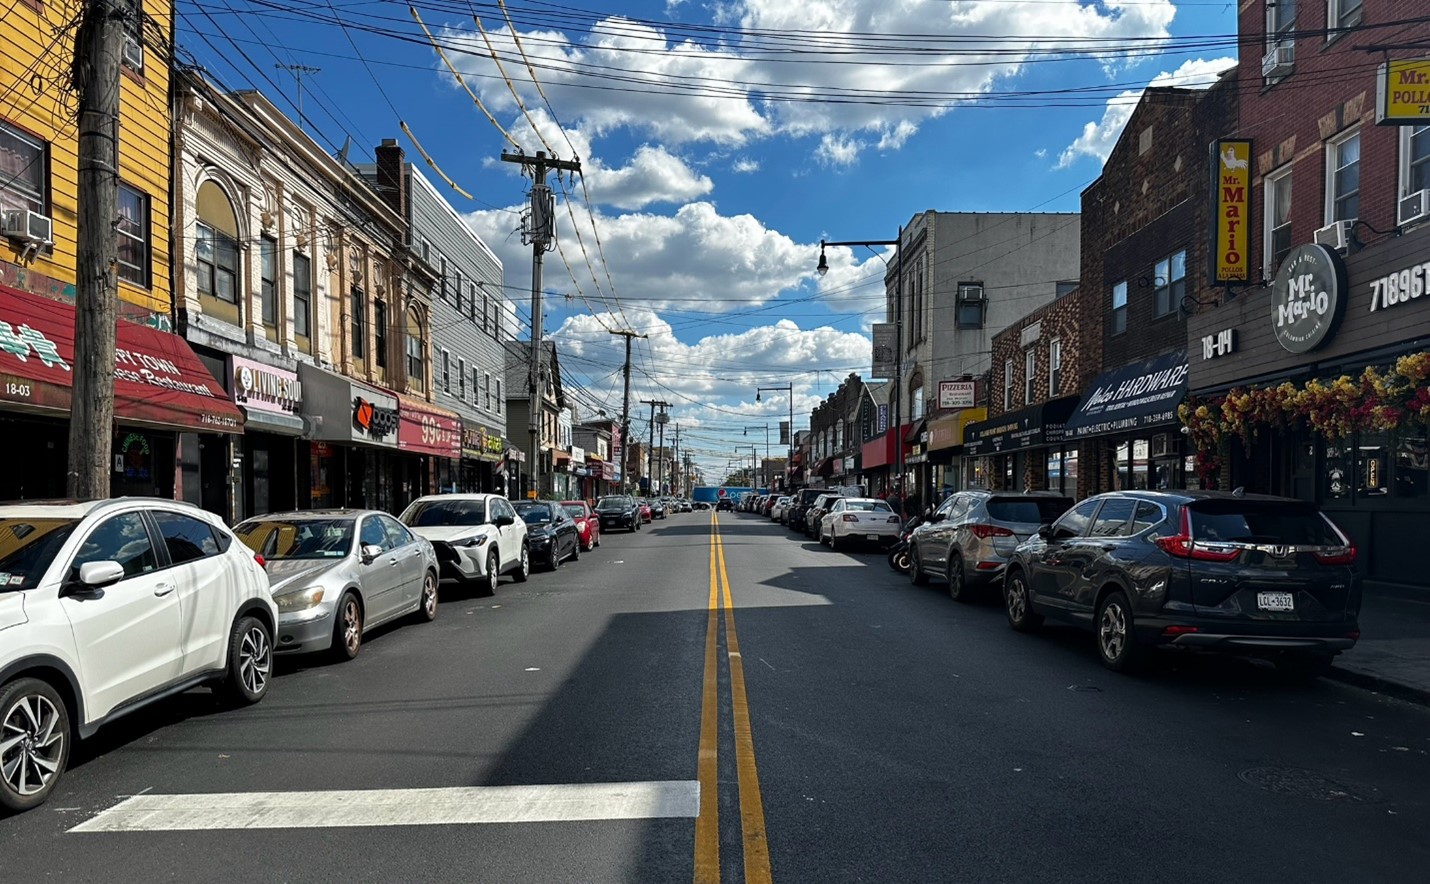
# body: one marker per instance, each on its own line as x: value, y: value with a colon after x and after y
x: 1231, y: 203
x: 1399, y: 287
x: 1402, y: 92
x: 264, y: 387
x: 578, y: 454
x: 881, y: 422
x: 1306, y: 297
x: 428, y: 431
x: 957, y: 394
x: 1218, y: 344
x: 375, y: 419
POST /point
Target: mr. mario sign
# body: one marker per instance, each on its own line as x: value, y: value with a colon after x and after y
x: 1308, y: 298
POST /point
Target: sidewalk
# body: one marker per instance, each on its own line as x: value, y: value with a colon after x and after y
x: 1393, y: 654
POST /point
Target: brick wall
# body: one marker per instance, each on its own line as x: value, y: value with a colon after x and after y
x: 1061, y: 320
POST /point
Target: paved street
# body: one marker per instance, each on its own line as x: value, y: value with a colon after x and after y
x: 892, y: 735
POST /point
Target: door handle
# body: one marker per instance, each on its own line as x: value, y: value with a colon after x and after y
x: 392, y: 564
x: 163, y: 589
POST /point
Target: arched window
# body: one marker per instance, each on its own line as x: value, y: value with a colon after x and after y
x: 216, y: 248
x: 416, y: 348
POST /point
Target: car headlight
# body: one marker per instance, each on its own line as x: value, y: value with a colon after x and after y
x: 302, y: 600
x: 474, y: 541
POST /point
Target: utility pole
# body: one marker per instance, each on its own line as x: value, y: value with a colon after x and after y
x: 99, y: 44
x: 677, y: 479
x: 298, y: 70
x: 626, y: 409
x: 538, y: 231
x: 650, y: 453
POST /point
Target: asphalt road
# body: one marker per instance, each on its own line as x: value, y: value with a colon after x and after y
x: 892, y: 735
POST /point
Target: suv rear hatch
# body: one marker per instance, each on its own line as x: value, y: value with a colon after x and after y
x: 1013, y: 518
x: 1265, y: 560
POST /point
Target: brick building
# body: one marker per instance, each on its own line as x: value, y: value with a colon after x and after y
x: 834, y: 434
x: 1340, y: 200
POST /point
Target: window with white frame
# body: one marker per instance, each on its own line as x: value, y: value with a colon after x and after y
x: 1007, y: 385
x: 1341, y: 14
x: 1171, y: 283
x: 1280, y: 19
x: 442, y: 284
x: 461, y: 284
x: 133, y: 13
x: 476, y: 387
x: 133, y: 229
x: 972, y: 303
x: 268, y: 280
x: 916, y: 402
x: 1030, y: 371
x: 24, y: 170
x: 1119, y: 307
x: 487, y: 391
x: 461, y: 379
x: 416, y: 347
x: 1343, y: 178
x: 500, y: 400
x: 1414, y: 159
x: 1055, y: 366
x: 1276, y: 240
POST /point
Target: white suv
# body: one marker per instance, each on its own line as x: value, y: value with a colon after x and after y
x: 478, y: 537
x: 107, y: 606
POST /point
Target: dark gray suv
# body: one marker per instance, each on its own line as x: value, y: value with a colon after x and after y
x: 968, y: 539
x: 1246, y: 574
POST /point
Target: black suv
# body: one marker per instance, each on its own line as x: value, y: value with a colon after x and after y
x: 799, y: 507
x: 619, y: 511
x: 724, y: 505
x: 1246, y: 574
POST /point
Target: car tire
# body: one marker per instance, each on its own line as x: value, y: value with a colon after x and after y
x: 523, y: 568
x: 576, y: 550
x: 1116, y: 639
x: 250, y: 663
x: 834, y: 541
x: 494, y: 574
x: 1018, y: 603
x: 916, y: 569
x: 347, y: 627
x: 22, y: 702
x: 957, y: 584
x: 427, y: 602
x: 1304, y: 666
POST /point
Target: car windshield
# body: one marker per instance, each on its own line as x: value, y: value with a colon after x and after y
x: 1029, y: 510
x: 613, y: 503
x: 442, y: 513
x: 298, y: 538
x: 1246, y: 521
x: 27, y: 547
x: 534, y: 513
x: 575, y: 511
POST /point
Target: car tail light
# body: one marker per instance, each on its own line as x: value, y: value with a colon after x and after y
x: 989, y: 566
x: 893, y: 520
x: 1346, y: 555
x: 1183, y: 546
x: 262, y: 563
x: 1353, y: 634
x: 986, y: 531
x: 1180, y: 630
x: 849, y: 517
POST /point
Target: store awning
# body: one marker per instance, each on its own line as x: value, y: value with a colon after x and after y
x: 1133, y: 397
x: 426, y: 429
x: 158, y: 381
x: 278, y: 422
x: 1040, y: 424
x: 825, y: 467
x: 947, y: 432
x: 915, y: 430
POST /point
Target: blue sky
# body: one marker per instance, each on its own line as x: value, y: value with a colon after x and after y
x: 720, y: 142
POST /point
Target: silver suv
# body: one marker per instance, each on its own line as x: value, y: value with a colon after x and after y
x: 969, y: 538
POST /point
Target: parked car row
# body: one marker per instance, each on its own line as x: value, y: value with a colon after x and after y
x: 108, y: 606
x: 1142, y: 570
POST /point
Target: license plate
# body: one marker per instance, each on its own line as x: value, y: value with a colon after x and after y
x: 871, y: 536
x: 1275, y: 601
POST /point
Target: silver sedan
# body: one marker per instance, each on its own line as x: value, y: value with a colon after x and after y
x: 336, y: 574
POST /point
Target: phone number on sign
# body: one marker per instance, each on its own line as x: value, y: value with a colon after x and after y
x: 214, y: 420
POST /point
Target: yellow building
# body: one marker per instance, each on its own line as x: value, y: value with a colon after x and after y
x: 38, y: 141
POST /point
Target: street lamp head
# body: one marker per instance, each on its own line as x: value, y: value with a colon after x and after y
x: 757, y: 395
x: 823, y: 267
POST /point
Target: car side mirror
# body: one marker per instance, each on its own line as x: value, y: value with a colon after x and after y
x: 370, y: 552
x: 94, y: 576
x: 1045, y: 532
x: 503, y: 521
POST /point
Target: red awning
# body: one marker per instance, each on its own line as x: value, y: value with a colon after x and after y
x: 157, y: 379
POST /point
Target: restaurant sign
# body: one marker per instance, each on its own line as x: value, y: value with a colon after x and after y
x: 1231, y: 204
x: 1307, y: 299
x: 1402, y: 92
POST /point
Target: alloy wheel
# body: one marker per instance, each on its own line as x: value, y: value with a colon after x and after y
x: 352, y: 626
x: 429, y: 596
x: 493, y: 573
x: 956, y: 588
x: 32, y: 744
x: 1017, y: 599
x: 255, y: 660
x: 1112, y: 630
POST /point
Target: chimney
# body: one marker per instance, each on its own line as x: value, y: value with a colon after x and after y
x: 391, y: 176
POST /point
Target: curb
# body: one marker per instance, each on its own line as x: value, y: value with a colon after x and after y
x: 1379, y: 685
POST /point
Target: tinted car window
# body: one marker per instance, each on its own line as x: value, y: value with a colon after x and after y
x: 1147, y: 515
x: 616, y: 504
x: 575, y: 511
x: 446, y: 512
x: 27, y: 547
x: 1113, y: 517
x: 868, y: 506
x: 1032, y: 510
x: 396, y: 534
x: 123, y: 539
x: 1074, y: 522
x: 1247, y: 521
x: 535, y: 514
x: 185, y: 537
x: 373, y: 534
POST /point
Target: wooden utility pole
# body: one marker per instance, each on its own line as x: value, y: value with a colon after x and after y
x: 539, y: 232
x: 99, y: 43
x: 650, y: 453
x: 626, y: 409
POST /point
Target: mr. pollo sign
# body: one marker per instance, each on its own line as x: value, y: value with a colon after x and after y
x: 1230, y: 211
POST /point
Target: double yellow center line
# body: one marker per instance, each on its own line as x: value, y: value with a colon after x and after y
x: 752, y: 808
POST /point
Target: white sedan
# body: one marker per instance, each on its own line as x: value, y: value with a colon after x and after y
x: 777, y: 511
x: 858, y: 519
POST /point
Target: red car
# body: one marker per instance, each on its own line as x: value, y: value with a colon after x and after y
x: 588, y: 524
x: 645, y: 509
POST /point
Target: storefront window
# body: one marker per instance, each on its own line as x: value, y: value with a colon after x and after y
x: 324, y: 467
x: 1336, y: 477
x: 1373, y: 466
x: 1412, y: 467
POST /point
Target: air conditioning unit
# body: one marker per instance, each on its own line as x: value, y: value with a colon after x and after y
x: 1279, y: 61
x: 133, y: 53
x: 1336, y: 235
x: 1161, y: 445
x: 29, y: 227
x: 1414, y: 207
